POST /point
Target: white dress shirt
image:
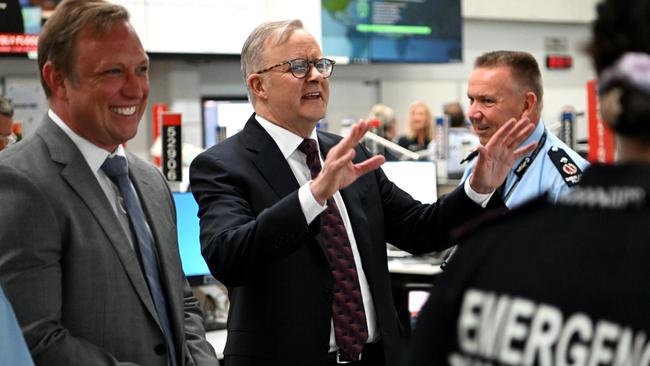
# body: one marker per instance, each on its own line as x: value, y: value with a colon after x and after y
x: 95, y: 157
x: 288, y: 143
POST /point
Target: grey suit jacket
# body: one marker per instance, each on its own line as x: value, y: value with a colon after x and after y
x: 69, y: 271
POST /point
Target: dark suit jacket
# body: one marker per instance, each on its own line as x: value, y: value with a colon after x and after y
x: 255, y: 240
x: 68, y: 269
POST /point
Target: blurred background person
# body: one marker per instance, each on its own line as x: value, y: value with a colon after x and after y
x: 558, y: 284
x: 462, y: 141
x: 456, y: 115
x: 7, y: 137
x: 419, y: 128
x: 388, y: 127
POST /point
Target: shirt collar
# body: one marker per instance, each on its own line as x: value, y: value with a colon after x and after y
x: 93, y: 154
x: 536, y: 135
x: 286, y: 140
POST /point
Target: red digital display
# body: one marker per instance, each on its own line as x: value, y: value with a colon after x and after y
x: 555, y: 62
x: 18, y: 43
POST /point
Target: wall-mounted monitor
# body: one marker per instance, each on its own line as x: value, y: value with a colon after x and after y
x: 362, y: 31
x: 223, y: 116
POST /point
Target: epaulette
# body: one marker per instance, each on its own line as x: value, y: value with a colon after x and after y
x: 569, y: 170
x: 497, y: 215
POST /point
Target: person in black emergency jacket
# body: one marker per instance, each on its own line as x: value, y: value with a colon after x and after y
x: 565, y: 283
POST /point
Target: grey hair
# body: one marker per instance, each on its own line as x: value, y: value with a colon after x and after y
x: 253, y: 49
x: 383, y: 113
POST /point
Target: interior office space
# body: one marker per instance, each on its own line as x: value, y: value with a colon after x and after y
x: 183, y: 80
x: 180, y: 80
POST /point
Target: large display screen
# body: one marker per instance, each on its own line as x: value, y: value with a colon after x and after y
x: 360, y: 31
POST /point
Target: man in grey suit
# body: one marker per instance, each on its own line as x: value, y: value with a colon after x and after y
x: 88, y: 253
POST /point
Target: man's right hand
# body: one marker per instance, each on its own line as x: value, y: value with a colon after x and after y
x: 495, y: 159
x: 338, y: 170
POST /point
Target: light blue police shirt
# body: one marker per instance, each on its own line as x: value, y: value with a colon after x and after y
x: 13, y: 350
x: 543, y: 175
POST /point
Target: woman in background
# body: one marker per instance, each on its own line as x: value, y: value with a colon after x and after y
x: 419, y: 128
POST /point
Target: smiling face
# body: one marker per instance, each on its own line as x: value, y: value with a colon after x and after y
x: 106, y: 96
x: 494, y: 99
x: 292, y: 103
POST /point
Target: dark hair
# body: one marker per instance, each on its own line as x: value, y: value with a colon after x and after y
x: 623, y: 26
x: 524, y: 68
x: 57, y: 41
x: 455, y: 113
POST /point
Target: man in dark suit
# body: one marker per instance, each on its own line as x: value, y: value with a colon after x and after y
x: 302, y: 250
x: 88, y: 251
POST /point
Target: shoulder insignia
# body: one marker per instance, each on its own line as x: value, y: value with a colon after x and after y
x: 569, y: 170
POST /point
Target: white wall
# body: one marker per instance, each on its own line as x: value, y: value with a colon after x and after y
x: 574, y: 11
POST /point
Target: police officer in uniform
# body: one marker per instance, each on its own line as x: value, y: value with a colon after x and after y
x: 506, y: 84
x: 563, y: 283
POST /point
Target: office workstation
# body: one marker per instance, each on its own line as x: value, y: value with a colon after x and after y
x: 243, y: 244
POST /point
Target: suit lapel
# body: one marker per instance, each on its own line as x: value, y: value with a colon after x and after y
x: 82, y: 180
x: 268, y: 159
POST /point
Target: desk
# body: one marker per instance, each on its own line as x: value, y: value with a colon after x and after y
x: 404, y: 271
x: 446, y: 185
x: 410, y: 274
x: 217, y: 339
x: 397, y: 266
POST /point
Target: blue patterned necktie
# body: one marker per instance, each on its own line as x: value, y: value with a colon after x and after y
x: 117, y: 170
x: 348, y: 313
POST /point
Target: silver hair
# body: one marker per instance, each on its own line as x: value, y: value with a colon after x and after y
x: 253, y: 49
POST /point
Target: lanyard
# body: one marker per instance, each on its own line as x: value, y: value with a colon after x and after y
x: 523, y: 166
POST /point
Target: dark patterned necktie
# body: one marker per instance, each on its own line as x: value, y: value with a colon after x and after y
x: 117, y: 170
x: 348, y: 314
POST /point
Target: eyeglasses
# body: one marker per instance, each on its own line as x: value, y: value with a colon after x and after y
x: 300, y: 67
x: 9, y: 139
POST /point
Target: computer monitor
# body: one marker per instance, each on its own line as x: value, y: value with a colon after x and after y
x: 223, y: 117
x: 417, y: 178
x: 362, y: 31
x: 189, y: 245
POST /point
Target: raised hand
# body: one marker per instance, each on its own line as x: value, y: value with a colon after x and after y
x: 338, y: 171
x: 495, y: 159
